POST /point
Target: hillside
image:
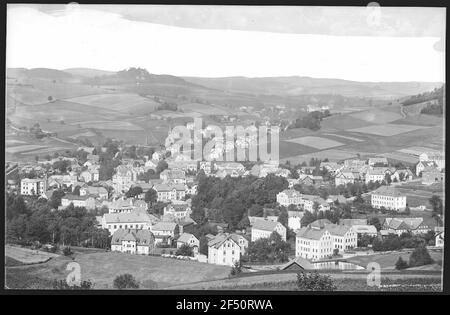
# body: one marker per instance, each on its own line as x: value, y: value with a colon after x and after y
x: 87, y: 72
x: 296, y: 85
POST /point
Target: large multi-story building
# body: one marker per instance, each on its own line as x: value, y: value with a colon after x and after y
x: 167, y: 192
x: 140, y: 220
x: 224, y: 249
x: 319, y: 239
x: 33, y: 186
x: 389, y: 198
x: 313, y: 243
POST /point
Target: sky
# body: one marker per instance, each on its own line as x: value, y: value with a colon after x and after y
x: 354, y: 43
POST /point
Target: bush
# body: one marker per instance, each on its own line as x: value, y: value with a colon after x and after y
x: 314, y: 282
x: 420, y: 257
x: 62, y: 285
x: 67, y: 251
x: 125, y: 281
x: 184, y: 250
x: 401, y: 264
x: 236, y: 269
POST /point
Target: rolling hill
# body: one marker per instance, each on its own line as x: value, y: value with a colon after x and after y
x: 296, y: 85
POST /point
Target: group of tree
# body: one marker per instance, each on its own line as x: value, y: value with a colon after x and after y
x: 311, y: 120
x: 419, y: 257
x: 36, y: 222
x: 233, y: 197
x: 405, y: 240
x: 268, y: 250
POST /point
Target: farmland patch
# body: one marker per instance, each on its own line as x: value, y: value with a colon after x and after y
x: 387, y: 129
x: 377, y: 116
x: 316, y: 142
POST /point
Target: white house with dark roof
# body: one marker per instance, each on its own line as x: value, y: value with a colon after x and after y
x: 223, y: 249
x: 313, y: 243
x: 389, y: 198
x: 263, y: 228
x: 190, y: 240
x: 344, y: 237
x: 132, y: 241
x: 320, y: 238
x: 168, y: 192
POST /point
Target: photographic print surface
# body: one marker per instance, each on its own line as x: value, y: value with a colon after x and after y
x: 193, y: 147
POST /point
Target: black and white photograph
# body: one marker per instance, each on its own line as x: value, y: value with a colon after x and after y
x: 157, y: 147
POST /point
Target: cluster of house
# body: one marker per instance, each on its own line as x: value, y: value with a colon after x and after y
x: 372, y: 170
x: 384, y: 196
x: 431, y: 167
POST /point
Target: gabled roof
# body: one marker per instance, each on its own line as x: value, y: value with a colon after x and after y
x: 319, y: 224
x: 265, y: 225
x: 311, y: 233
x: 291, y: 193
x: 185, y: 237
x: 219, y: 239
x: 299, y: 261
x: 132, y: 217
x: 338, y: 230
x: 387, y: 191
x: 142, y: 237
x: 164, y: 226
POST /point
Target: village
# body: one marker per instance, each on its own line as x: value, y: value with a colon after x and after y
x: 147, y: 201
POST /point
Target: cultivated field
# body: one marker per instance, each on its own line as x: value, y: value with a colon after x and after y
x: 387, y: 129
x: 124, y: 102
x: 316, y: 142
x: 114, y: 125
x: 377, y: 116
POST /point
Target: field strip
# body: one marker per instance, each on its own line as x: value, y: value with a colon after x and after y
x: 344, y: 137
x: 316, y: 142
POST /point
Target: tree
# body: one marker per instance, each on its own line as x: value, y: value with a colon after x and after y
x: 162, y: 165
x: 314, y: 282
x: 255, y: 210
x: 133, y: 192
x: 203, y: 248
x: 151, y: 196
x: 436, y: 204
x: 185, y: 250
x: 375, y: 221
x: 76, y: 190
x: 125, y: 281
x: 236, y: 268
x: 283, y: 217
x: 419, y: 257
x: 401, y: 264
